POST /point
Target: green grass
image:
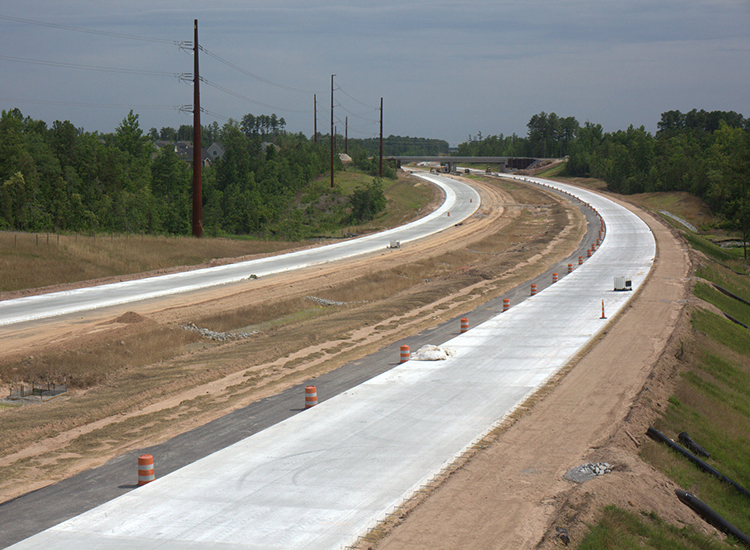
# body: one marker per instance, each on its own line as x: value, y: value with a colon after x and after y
x: 727, y: 304
x: 681, y: 204
x: 711, y: 402
x: 726, y: 279
x: 723, y: 331
x: 553, y: 172
x: 622, y: 530
x: 733, y: 256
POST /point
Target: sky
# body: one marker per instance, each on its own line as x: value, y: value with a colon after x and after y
x: 444, y: 69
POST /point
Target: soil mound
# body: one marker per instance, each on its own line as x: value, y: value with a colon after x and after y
x: 130, y: 318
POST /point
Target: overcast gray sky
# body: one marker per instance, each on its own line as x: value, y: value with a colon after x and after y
x: 444, y: 69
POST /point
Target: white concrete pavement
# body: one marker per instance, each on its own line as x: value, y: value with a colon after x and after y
x: 461, y: 201
x: 320, y: 479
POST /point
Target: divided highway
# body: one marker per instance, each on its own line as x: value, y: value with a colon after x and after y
x: 461, y: 201
x: 321, y: 478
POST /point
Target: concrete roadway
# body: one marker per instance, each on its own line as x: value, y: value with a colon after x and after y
x: 461, y: 201
x: 320, y: 478
x: 39, y: 510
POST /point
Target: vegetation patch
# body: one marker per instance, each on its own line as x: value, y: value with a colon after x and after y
x: 619, y: 529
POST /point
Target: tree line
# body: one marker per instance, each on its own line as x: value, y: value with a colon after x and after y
x: 63, y: 178
x: 705, y: 153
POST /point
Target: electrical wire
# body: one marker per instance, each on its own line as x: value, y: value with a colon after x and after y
x: 88, y: 67
x: 91, y: 31
x: 77, y: 104
x: 340, y: 89
x: 361, y: 116
x: 248, y: 99
x: 253, y: 75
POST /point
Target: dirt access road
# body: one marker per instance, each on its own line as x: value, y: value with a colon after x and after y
x: 147, y: 379
x: 512, y: 494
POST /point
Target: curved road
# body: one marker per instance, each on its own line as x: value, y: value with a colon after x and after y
x: 461, y: 201
x: 320, y: 479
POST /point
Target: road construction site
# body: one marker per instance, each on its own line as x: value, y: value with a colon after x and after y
x: 352, y: 459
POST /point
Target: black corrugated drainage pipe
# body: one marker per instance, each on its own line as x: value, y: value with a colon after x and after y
x: 710, y: 515
x: 691, y: 445
x: 657, y: 435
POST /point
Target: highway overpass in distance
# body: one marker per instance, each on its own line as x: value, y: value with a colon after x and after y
x: 506, y: 163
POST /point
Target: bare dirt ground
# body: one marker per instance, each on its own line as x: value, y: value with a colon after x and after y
x: 511, y: 493
x: 154, y: 380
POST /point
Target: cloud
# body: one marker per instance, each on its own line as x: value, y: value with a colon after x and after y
x: 444, y: 69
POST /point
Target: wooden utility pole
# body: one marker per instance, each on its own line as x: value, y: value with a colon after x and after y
x: 346, y: 136
x: 332, y: 147
x: 315, y: 117
x: 197, y: 188
x: 381, y: 138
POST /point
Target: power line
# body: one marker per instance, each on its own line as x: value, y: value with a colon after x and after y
x: 253, y: 75
x: 77, y: 104
x: 340, y: 89
x: 91, y: 31
x: 88, y: 67
x: 359, y: 115
x: 248, y: 99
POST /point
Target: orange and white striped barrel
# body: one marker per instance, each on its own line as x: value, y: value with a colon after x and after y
x: 404, y: 353
x: 533, y: 289
x: 588, y: 253
x: 554, y: 277
x: 145, y: 469
x: 506, y: 304
x: 580, y: 260
x: 311, y: 396
x: 570, y: 268
x: 464, y: 325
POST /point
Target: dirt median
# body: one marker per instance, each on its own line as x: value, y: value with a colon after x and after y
x: 140, y: 401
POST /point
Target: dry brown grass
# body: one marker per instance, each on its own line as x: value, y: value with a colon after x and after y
x: 94, y: 361
x: 29, y: 260
x: 298, y: 340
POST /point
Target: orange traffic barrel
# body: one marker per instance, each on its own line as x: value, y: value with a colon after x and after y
x: 588, y: 253
x: 145, y: 469
x: 464, y: 325
x: 554, y: 277
x: 570, y: 268
x: 533, y: 289
x: 506, y: 304
x: 404, y: 353
x: 580, y: 260
x: 311, y: 396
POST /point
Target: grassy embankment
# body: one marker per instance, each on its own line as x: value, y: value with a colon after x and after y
x: 711, y: 401
x: 29, y: 260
